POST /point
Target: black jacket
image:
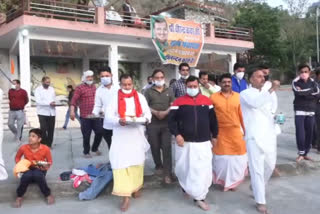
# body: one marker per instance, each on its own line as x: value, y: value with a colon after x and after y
x: 194, y: 118
x: 305, y: 98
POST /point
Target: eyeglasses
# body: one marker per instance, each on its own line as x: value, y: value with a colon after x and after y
x: 184, y: 69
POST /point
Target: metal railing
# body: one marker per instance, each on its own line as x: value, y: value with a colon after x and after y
x: 236, y: 33
x: 54, y: 9
x: 127, y: 19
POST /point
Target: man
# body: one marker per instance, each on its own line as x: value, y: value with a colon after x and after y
x: 46, y: 110
x: 179, y: 87
x: 212, y: 80
x: 230, y: 160
x: 306, y: 95
x: 193, y: 122
x: 128, y: 112
x: 103, y: 98
x: 35, y: 153
x: 316, y: 138
x: 149, y: 84
x: 267, y: 85
x: 260, y: 134
x: 160, y: 36
x: 71, y: 92
x: 129, y: 12
x: 205, y: 87
x: 84, y: 97
x: 3, y: 171
x: 238, y: 82
x: 18, y: 99
x: 159, y: 99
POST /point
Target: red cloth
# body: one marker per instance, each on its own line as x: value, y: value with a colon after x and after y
x: 43, y: 154
x: 84, y: 98
x: 122, y: 103
x: 18, y: 99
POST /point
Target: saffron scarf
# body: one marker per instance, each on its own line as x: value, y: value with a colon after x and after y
x: 122, y: 103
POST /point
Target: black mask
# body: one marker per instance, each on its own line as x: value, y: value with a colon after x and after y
x: 149, y: 83
x: 266, y: 78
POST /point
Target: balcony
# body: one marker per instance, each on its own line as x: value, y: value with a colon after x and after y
x: 92, y: 15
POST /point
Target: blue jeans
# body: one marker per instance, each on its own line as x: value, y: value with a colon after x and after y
x: 68, y: 117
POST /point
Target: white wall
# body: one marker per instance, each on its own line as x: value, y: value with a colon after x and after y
x: 5, y: 66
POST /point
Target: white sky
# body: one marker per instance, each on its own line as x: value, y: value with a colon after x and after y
x: 275, y: 3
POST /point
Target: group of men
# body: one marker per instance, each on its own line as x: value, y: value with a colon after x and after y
x: 215, y: 128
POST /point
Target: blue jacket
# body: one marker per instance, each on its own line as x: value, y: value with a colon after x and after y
x: 238, y: 87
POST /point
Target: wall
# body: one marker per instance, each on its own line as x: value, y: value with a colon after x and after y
x: 5, y: 66
x: 198, y: 16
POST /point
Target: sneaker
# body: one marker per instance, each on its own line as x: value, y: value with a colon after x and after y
x: 87, y: 156
x: 64, y: 127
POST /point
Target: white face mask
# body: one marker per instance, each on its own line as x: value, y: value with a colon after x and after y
x: 192, y: 92
x: 159, y: 83
x: 13, y: 87
x: 89, y: 82
x: 240, y: 75
x: 106, y: 80
x: 185, y: 77
x: 126, y: 91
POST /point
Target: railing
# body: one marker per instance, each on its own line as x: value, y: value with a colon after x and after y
x: 127, y: 19
x: 54, y: 9
x: 236, y: 33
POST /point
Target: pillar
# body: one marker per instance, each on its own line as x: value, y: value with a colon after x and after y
x: 113, y: 62
x: 85, y: 64
x: 232, y: 61
x: 24, y: 59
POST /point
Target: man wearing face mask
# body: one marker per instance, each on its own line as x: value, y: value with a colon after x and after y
x: 18, y: 99
x: 128, y: 113
x: 84, y: 98
x: 104, y: 95
x: 149, y: 85
x: 238, y: 82
x: 179, y: 87
x: 192, y: 120
x: 159, y: 99
x: 306, y: 95
x: 46, y: 110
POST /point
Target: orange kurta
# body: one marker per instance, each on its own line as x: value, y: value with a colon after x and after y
x: 230, y: 122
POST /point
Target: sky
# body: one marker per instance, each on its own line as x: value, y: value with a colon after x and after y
x: 275, y: 3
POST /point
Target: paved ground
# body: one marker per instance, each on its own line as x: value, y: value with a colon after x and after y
x: 294, y: 195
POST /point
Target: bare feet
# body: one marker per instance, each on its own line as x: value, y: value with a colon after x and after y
x: 18, y: 202
x: 299, y: 158
x: 159, y: 171
x: 167, y: 179
x: 262, y: 208
x: 308, y: 158
x: 233, y: 189
x: 203, y: 205
x: 50, y: 200
x: 98, y: 153
x: 125, y: 204
x: 136, y: 194
x: 87, y: 156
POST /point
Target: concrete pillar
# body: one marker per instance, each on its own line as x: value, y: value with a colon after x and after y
x: 85, y: 64
x: 177, y: 72
x: 24, y: 57
x: 113, y: 62
x: 232, y: 61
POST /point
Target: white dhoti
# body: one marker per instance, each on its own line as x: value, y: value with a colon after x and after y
x: 194, y: 168
x: 261, y: 166
x: 229, y: 170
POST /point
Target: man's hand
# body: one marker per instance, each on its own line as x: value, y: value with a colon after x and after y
x: 72, y: 114
x: 122, y: 122
x: 180, y: 140
x: 214, y: 142
x: 275, y: 86
x: 53, y: 104
x: 162, y: 115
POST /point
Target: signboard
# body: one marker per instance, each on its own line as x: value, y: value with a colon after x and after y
x: 177, y: 40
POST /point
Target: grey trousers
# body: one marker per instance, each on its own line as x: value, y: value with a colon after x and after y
x: 15, y: 122
x: 159, y: 138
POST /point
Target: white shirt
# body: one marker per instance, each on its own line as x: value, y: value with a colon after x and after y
x: 274, y: 105
x: 102, y: 100
x: 43, y: 99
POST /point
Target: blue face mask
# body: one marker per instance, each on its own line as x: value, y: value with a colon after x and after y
x: 192, y: 92
x: 106, y: 80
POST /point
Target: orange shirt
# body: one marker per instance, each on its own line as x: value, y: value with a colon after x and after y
x: 43, y: 154
x: 230, y: 122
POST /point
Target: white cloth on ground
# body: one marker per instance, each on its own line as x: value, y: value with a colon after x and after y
x: 129, y: 143
x: 194, y: 168
x: 261, y: 138
x: 3, y: 172
x: 229, y: 170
